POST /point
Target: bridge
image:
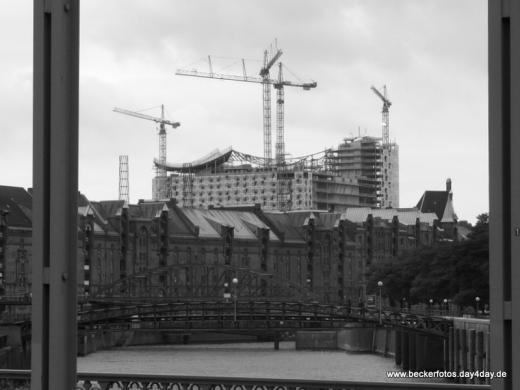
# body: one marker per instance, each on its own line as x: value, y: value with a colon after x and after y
x: 249, y: 316
x: 190, y: 296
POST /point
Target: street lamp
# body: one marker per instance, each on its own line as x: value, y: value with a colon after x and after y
x: 380, y: 287
x: 235, y: 296
x: 446, y: 306
x: 431, y: 305
x: 227, y: 295
x: 477, y: 300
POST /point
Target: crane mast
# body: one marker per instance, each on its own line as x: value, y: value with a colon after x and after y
x: 385, y: 113
x: 280, y: 141
x: 123, y: 179
x: 162, y: 143
x: 264, y: 72
x: 388, y: 195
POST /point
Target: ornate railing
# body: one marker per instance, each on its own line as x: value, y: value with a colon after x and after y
x: 20, y: 379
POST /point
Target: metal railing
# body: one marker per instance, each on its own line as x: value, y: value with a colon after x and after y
x: 16, y: 379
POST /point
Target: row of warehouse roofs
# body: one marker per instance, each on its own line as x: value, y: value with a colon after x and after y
x: 433, y: 207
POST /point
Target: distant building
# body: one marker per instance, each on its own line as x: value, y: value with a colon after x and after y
x: 440, y: 203
x: 374, y: 166
x: 230, y: 178
x: 361, y: 172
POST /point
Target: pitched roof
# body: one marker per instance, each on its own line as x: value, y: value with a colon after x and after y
x: 406, y: 216
x: 440, y: 203
x: 19, y: 204
x: 283, y: 223
x: 210, y: 222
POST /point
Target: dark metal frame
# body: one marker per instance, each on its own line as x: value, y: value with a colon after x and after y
x: 55, y: 196
x: 504, y: 184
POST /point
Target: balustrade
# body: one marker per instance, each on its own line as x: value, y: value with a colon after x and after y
x: 20, y: 379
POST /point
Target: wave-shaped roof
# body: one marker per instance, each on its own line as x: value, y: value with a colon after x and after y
x: 214, y: 157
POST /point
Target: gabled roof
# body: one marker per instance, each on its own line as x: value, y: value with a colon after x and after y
x: 148, y: 210
x: 440, y: 203
x: 283, y: 223
x: 19, y: 204
x: 210, y: 223
x: 406, y: 216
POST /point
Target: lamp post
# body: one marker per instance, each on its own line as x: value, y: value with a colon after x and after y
x: 431, y: 305
x: 235, y: 297
x: 477, y: 301
x: 380, y: 287
x: 227, y: 295
x: 446, y: 311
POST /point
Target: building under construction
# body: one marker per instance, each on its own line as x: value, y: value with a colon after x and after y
x: 376, y: 168
x: 353, y: 175
x: 232, y: 178
x: 360, y: 172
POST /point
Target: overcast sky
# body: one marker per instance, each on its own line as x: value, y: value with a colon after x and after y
x: 431, y: 54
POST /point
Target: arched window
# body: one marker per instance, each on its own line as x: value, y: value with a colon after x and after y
x: 21, y: 259
x: 245, y: 259
x: 99, y: 264
x: 143, y: 250
x: 288, y: 265
x: 110, y: 263
x: 215, y: 256
x: 175, y: 255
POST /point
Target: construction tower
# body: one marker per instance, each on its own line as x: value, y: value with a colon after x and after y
x: 388, y: 195
x: 124, y: 193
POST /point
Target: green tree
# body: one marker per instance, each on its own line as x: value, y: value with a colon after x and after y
x: 454, y: 270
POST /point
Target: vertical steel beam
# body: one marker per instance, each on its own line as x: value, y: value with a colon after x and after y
x: 55, y: 183
x: 504, y: 173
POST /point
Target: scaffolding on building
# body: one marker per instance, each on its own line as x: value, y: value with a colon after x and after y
x: 187, y: 186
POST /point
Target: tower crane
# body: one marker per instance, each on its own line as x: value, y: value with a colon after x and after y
x: 161, y: 172
x: 386, y: 121
x: 264, y: 72
x: 266, y: 81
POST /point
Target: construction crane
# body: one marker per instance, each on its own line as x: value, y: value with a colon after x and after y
x: 264, y: 72
x: 386, y: 121
x: 266, y: 81
x: 161, y: 172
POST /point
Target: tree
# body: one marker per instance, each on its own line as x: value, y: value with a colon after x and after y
x: 454, y: 270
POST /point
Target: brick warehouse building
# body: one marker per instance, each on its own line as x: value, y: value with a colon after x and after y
x: 158, y: 249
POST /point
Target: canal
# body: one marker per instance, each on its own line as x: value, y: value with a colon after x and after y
x: 240, y: 360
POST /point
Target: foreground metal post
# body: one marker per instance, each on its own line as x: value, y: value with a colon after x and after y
x: 504, y: 184
x: 55, y: 182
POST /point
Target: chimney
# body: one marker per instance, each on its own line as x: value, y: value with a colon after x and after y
x: 448, y: 185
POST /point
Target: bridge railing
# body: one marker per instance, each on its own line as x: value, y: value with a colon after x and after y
x: 16, y: 379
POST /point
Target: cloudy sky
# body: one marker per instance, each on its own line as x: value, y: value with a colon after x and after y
x: 431, y: 54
